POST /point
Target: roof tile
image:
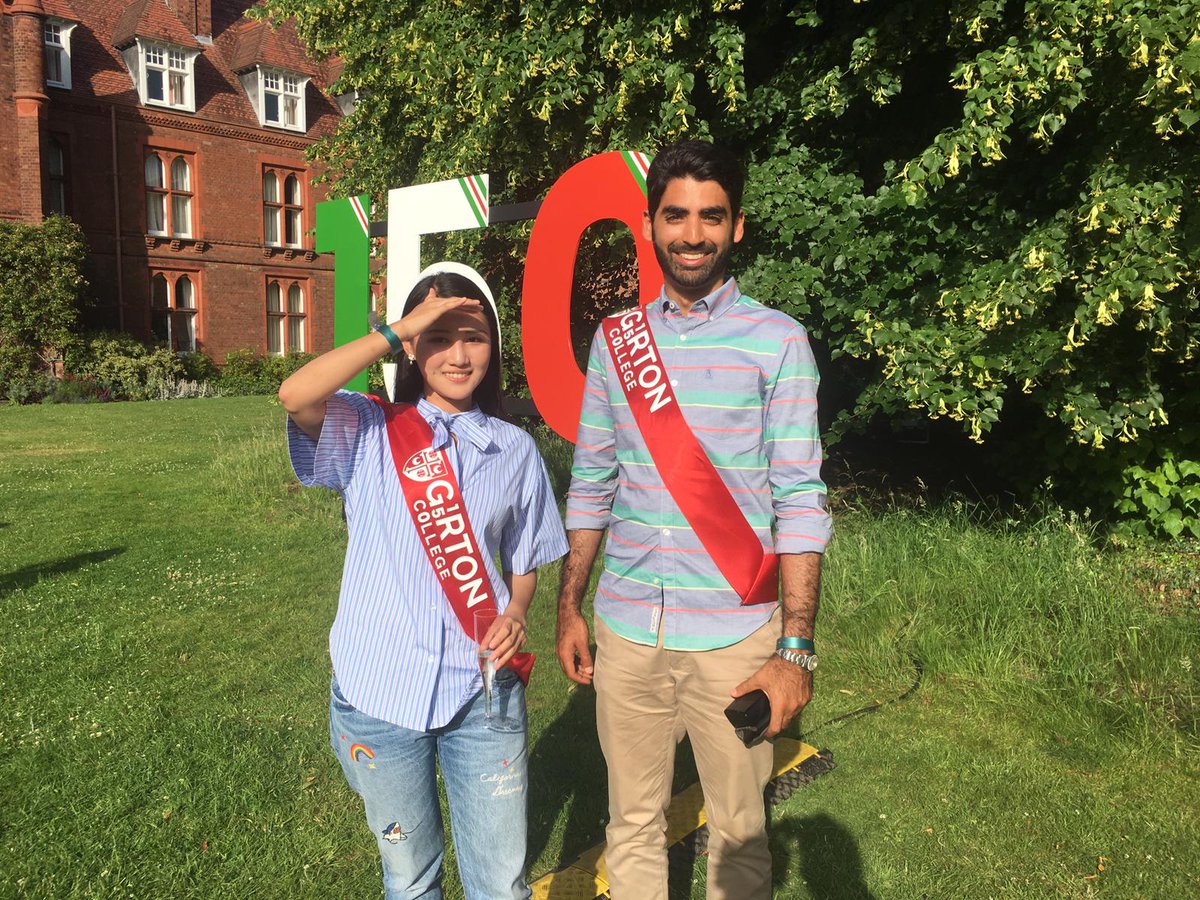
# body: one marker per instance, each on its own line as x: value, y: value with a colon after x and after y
x: 260, y: 43
x: 151, y: 19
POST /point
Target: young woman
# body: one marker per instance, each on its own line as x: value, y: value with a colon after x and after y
x: 436, y: 489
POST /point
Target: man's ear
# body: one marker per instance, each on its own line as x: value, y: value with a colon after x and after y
x: 647, y: 226
x: 739, y: 225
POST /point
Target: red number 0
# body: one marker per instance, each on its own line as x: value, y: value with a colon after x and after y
x: 608, y: 186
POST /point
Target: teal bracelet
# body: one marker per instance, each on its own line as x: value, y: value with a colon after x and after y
x: 795, y: 643
x: 392, y: 338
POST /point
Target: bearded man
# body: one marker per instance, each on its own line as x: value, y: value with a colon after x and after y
x: 699, y: 451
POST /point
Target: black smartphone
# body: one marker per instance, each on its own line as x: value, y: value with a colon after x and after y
x: 750, y: 715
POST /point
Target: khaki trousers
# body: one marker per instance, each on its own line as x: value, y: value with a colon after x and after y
x: 646, y: 699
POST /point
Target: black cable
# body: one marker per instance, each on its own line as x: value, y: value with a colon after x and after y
x: 918, y: 668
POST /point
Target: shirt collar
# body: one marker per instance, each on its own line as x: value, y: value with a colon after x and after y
x: 711, y: 305
x: 472, y: 426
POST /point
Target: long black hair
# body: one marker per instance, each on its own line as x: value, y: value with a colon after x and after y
x: 410, y: 384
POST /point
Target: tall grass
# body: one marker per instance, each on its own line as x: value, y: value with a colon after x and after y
x: 1030, y: 603
x: 168, y: 589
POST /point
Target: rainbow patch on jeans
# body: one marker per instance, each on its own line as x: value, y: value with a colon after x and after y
x: 358, y: 752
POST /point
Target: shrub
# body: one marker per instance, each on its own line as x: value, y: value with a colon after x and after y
x: 41, y: 291
x: 183, y: 389
x: 30, y: 389
x: 198, y: 367
x: 77, y: 389
x: 1164, y: 500
x: 245, y: 372
x: 129, y: 370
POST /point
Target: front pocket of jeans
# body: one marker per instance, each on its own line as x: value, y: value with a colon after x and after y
x: 339, y: 700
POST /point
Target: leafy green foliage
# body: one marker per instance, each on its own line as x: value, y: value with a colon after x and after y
x: 41, y: 291
x: 1164, y: 500
x: 977, y: 207
x: 245, y: 372
x: 448, y: 87
x: 1023, y: 224
x: 128, y: 369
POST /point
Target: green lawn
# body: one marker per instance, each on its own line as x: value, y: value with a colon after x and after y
x: 167, y: 592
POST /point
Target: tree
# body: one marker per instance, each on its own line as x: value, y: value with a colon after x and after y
x: 994, y: 204
x: 41, y: 290
x: 984, y: 208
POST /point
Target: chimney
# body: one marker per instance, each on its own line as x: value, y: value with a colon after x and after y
x: 196, y: 15
x: 30, y: 102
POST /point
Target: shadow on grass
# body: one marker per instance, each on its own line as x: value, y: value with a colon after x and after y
x: 828, y: 857
x: 567, y: 771
x: 31, y: 575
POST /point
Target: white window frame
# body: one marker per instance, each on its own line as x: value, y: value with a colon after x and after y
x: 167, y: 196
x: 282, y: 212
x: 282, y: 321
x: 145, y: 56
x: 181, y: 321
x: 61, y: 30
x: 263, y: 81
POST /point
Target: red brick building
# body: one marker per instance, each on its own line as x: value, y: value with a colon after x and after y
x: 173, y: 132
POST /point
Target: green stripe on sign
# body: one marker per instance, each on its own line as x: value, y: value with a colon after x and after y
x: 462, y: 183
x: 482, y: 189
x: 634, y: 170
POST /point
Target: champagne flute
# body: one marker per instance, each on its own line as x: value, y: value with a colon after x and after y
x: 485, y: 619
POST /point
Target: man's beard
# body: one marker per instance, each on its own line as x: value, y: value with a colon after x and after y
x: 716, y: 266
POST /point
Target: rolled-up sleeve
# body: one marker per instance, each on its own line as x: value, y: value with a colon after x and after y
x: 330, y: 461
x: 534, y: 535
x: 594, y: 470
x: 793, y: 444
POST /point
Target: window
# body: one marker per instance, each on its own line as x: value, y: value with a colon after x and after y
x: 164, y: 75
x: 277, y: 97
x: 285, y: 317
x: 56, y: 178
x: 56, y: 46
x: 173, y: 309
x: 168, y: 194
x: 281, y: 99
x: 283, y: 208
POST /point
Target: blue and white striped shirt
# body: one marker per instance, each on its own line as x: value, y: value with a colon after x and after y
x: 746, y: 382
x: 399, y: 652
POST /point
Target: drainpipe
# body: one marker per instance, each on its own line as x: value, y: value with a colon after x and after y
x: 117, y: 223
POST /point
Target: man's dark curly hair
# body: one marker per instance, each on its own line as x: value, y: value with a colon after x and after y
x: 699, y: 160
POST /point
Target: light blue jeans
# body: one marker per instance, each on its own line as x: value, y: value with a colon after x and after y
x: 393, y: 770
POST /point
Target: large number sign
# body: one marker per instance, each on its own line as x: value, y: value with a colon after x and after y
x: 607, y: 186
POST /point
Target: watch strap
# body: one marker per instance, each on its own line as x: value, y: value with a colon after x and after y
x: 392, y: 338
x: 795, y: 643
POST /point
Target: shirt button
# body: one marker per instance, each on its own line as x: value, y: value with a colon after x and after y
x: 666, y: 532
x: 674, y: 382
x: 683, y: 337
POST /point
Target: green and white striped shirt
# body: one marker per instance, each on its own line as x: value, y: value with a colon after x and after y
x: 746, y: 382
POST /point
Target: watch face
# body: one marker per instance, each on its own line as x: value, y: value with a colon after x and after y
x: 811, y: 662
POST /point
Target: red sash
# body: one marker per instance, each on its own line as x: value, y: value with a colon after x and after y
x: 435, y: 503
x: 683, y: 465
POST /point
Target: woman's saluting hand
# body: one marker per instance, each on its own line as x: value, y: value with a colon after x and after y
x: 429, y: 311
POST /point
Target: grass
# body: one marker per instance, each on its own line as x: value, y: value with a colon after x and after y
x: 167, y: 593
